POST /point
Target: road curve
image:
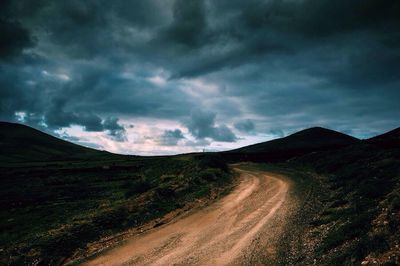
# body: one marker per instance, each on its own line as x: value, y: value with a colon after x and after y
x: 220, y: 234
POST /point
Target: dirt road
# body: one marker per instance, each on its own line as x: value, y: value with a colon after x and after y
x: 240, y: 228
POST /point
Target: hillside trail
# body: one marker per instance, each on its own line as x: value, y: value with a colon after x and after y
x: 240, y: 228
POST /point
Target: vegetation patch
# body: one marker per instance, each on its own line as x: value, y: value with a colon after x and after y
x: 69, y: 204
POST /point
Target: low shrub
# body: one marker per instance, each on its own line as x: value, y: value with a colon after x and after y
x: 374, y: 187
x: 212, y: 161
x: 137, y: 187
x: 394, y: 201
x: 210, y: 174
x: 357, y: 226
x: 165, y: 192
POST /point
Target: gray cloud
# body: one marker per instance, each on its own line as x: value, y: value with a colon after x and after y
x: 14, y: 36
x: 197, y: 143
x: 113, y: 129
x: 202, y: 125
x: 171, y: 137
x: 277, y: 132
x: 245, y: 126
x: 14, y: 39
x: 188, y: 25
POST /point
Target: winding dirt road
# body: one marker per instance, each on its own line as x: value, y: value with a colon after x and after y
x: 240, y: 228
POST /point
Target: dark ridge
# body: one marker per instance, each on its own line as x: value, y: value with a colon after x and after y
x: 297, y: 144
x: 392, y: 134
x: 389, y: 139
x: 21, y: 143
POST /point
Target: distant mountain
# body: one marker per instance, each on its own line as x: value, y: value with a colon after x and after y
x: 300, y: 143
x: 389, y: 139
x: 20, y: 143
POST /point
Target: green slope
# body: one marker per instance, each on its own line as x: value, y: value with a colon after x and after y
x: 390, y: 139
x: 20, y: 143
x: 298, y: 144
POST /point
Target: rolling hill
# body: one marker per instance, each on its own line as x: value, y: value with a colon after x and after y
x: 20, y: 143
x: 389, y: 139
x: 298, y: 144
x: 72, y: 195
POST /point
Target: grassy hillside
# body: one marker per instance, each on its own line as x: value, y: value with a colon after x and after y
x: 359, y: 220
x: 56, y: 196
x: 350, y: 210
x: 48, y: 213
x: 388, y: 140
x: 20, y: 143
x: 300, y: 143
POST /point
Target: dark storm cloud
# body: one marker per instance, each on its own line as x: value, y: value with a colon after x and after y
x: 171, y: 137
x: 197, y: 143
x: 14, y: 37
x: 189, y: 23
x: 58, y: 117
x: 92, y: 123
x: 91, y: 93
x: 314, y: 18
x: 15, y: 94
x: 258, y: 32
x: 245, y: 126
x: 292, y: 64
x: 114, y: 129
x: 277, y: 132
x: 202, y: 125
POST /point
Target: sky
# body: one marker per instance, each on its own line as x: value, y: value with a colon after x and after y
x: 153, y: 77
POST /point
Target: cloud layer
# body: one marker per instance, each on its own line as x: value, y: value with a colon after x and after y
x: 218, y: 73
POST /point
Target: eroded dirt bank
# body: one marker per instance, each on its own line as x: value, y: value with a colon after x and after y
x: 240, y: 228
